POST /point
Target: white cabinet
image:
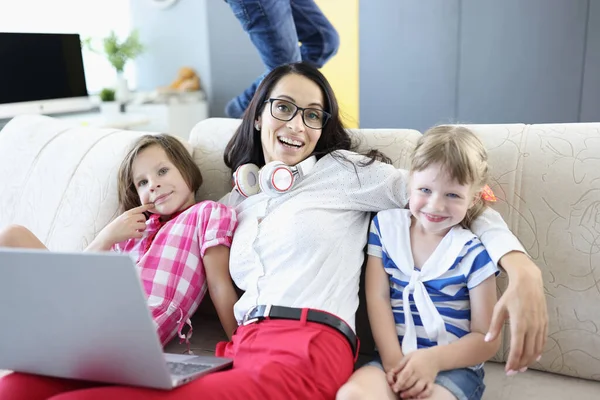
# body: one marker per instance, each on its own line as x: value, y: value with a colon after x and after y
x: 176, y: 119
x: 177, y: 115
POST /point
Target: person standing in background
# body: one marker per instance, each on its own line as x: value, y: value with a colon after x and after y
x: 283, y: 32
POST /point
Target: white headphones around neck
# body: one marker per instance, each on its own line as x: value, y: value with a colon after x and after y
x: 273, y: 179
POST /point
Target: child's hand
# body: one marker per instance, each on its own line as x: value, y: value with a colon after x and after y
x: 130, y: 224
x: 414, y: 375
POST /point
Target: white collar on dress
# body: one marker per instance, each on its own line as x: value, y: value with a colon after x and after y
x: 394, y: 226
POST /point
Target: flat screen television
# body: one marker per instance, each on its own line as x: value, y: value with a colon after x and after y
x: 41, y: 73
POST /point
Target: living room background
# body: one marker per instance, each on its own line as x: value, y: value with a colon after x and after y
x: 420, y: 63
x: 93, y: 18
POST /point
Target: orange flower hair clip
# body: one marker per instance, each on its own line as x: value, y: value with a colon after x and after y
x: 487, y: 194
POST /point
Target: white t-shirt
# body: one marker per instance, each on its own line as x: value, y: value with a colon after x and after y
x: 305, y: 248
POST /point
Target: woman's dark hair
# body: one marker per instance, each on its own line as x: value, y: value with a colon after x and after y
x: 245, y: 146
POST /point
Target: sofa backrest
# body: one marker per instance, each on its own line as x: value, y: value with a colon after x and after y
x: 547, y: 180
x: 60, y: 181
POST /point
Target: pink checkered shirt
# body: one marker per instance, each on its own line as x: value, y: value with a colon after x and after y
x: 169, y: 258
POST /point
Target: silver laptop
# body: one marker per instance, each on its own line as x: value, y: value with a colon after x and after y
x: 84, y: 316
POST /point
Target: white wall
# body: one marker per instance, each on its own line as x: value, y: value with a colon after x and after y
x: 90, y: 18
x: 203, y: 34
x: 174, y: 37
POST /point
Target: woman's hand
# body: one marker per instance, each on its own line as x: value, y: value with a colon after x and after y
x: 130, y: 224
x: 415, y: 374
x: 524, y: 304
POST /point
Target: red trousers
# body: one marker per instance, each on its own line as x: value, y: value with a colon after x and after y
x: 273, y: 359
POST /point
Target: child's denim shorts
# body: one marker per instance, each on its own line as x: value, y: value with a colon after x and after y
x: 464, y: 383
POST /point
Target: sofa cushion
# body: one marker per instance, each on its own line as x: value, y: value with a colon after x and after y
x: 209, y: 138
x: 58, y: 180
x: 503, y: 142
x: 546, y: 179
x: 61, y: 182
x: 535, y: 385
x: 554, y: 209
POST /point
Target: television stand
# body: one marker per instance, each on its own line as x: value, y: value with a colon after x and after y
x: 128, y: 120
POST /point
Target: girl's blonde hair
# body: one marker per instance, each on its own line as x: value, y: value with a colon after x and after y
x: 177, y: 154
x: 461, y: 154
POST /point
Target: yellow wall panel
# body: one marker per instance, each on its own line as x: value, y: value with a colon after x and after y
x: 342, y: 70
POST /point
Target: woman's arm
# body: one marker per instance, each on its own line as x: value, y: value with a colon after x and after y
x: 373, y: 187
x: 380, y: 314
x: 220, y: 286
x: 472, y: 349
x: 523, y: 301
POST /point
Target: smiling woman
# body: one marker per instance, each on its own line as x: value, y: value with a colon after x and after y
x: 268, y: 136
x: 285, y: 134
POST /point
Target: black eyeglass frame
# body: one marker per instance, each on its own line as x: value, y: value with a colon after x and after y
x: 326, y: 115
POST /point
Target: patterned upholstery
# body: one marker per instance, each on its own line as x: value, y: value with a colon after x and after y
x: 60, y: 181
x: 547, y: 180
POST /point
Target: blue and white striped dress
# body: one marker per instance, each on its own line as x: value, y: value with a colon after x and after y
x: 442, y: 312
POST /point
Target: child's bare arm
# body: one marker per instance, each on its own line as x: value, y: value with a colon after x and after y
x: 380, y: 313
x: 130, y: 224
x: 100, y: 243
x: 220, y: 286
x: 472, y: 349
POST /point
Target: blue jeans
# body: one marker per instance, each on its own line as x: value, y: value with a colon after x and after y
x: 275, y: 27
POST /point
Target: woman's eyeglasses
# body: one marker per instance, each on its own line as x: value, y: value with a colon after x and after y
x: 284, y: 110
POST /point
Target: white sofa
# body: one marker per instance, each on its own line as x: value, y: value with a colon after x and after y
x: 60, y: 182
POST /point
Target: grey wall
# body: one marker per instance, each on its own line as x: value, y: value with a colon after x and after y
x: 408, y: 62
x: 234, y: 61
x: 521, y: 61
x: 478, y: 61
x: 421, y: 63
x: 590, y: 99
x: 203, y: 34
x: 174, y: 37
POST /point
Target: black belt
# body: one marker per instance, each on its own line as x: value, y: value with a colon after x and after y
x: 261, y: 312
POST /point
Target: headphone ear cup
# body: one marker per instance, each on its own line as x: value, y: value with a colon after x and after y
x: 275, y: 178
x: 245, y: 180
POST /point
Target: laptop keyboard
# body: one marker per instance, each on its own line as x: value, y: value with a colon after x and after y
x: 183, y: 369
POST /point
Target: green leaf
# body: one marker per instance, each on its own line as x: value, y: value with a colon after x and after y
x: 107, y: 94
x: 118, y: 53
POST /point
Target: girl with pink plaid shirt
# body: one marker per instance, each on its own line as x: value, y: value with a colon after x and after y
x: 179, y: 246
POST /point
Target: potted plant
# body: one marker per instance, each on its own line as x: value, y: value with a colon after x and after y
x: 118, y: 53
x: 108, y: 106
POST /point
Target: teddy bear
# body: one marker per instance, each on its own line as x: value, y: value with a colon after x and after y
x: 187, y: 80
